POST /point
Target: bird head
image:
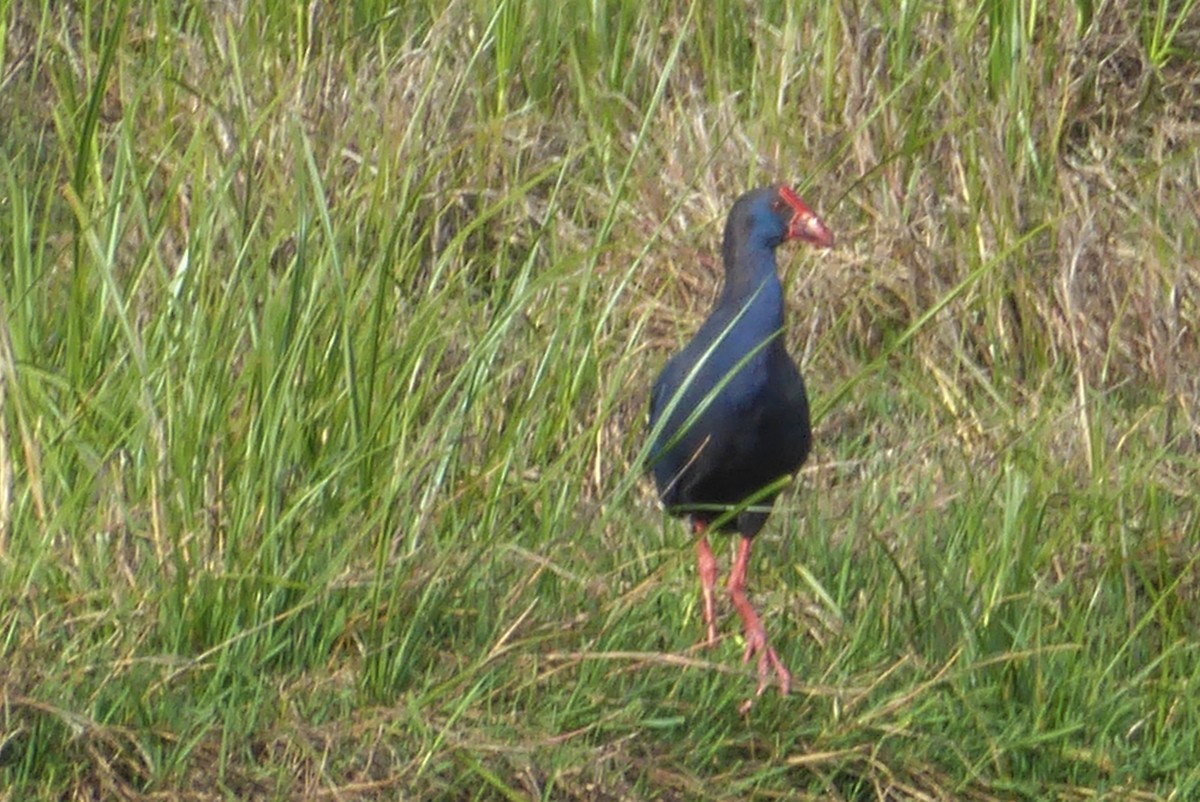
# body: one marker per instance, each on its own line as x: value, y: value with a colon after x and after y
x: 762, y: 220
x: 769, y: 216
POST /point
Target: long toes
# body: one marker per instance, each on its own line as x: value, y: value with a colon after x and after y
x: 767, y: 660
x: 785, y: 677
x: 768, y: 663
x: 755, y: 644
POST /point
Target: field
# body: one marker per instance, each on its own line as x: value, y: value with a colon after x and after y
x: 326, y: 334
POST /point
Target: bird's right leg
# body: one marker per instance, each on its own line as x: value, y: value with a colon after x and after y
x: 756, y: 636
x: 706, y: 564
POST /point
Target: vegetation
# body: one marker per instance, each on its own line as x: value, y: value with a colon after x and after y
x: 326, y: 332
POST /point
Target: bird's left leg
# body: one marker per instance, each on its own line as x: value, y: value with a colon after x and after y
x: 756, y: 636
x: 706, y: 567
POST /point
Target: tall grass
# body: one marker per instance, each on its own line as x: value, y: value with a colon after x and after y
x: 325, y: 340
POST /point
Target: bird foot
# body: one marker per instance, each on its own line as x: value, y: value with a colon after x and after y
x: 768, y: 660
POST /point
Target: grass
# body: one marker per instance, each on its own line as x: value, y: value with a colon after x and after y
x: 326, y: 335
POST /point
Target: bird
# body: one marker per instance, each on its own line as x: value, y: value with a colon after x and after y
x: 729, y: 417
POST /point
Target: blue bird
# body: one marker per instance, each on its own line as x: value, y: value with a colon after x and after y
x: 729, y: 414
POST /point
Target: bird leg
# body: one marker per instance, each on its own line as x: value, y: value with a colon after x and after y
x: 707, y: 568
x: 756, y: 636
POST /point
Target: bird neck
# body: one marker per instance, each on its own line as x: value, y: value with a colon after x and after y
x: 750, y: 277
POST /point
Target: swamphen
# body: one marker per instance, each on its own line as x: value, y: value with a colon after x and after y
x: 736, y: 414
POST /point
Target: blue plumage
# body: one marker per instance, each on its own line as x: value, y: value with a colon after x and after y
x: 754, y: 428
